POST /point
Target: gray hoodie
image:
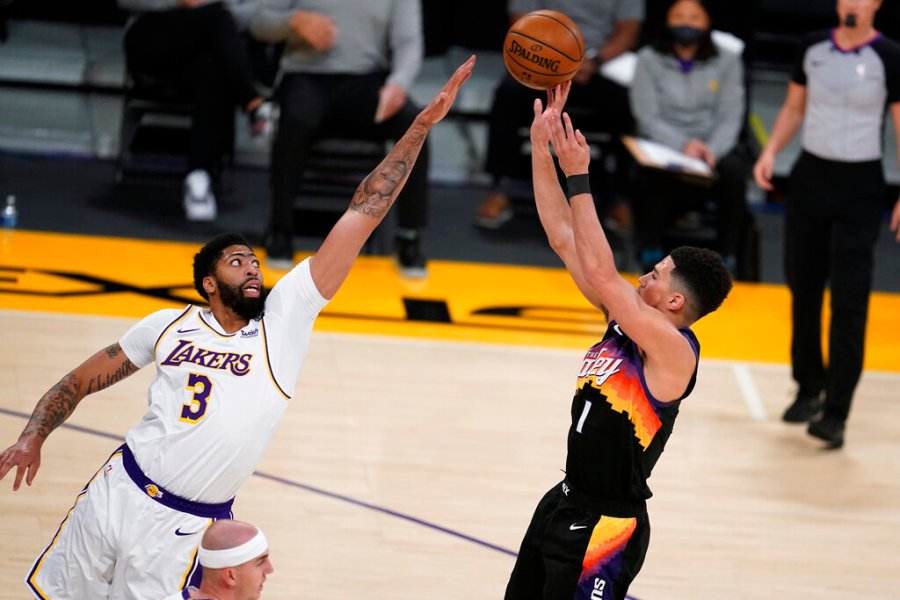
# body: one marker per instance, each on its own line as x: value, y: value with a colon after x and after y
x: 706, y: 103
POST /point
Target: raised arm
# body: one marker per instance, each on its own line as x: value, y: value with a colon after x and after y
x: 106, y: 367
x: 646, y: 325
x: 378, y: 191
x: 553, y: 210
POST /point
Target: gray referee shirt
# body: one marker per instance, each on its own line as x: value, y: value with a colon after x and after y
x: 847, y: 91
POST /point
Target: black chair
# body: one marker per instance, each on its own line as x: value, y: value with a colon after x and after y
x: 337, y: 165
x: 155, y: 130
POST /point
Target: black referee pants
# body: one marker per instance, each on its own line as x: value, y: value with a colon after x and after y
x: 831, y: 225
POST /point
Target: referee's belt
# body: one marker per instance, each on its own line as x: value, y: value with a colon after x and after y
x: 158, y: 493
x: 603, y: 506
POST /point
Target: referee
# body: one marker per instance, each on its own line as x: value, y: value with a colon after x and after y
x: 841, y: 83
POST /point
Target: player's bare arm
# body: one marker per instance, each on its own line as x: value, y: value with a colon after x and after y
x: 378, y: 191
x: 553, y: 209
x: 670, y: 360
x: 103, y: 369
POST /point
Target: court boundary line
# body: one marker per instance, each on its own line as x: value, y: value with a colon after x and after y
x: 306, y: 487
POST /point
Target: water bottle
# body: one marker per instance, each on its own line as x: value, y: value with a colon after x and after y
x: 10, y: 215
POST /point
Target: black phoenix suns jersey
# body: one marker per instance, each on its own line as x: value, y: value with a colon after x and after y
x: 618, y: 428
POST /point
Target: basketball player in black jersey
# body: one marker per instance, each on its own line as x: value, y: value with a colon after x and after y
x: 589, y: 533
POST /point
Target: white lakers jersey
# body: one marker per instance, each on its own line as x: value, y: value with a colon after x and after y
x: 217, y: 397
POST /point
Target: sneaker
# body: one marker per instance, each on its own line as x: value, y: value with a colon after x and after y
x: 199, y: 202
x: 802, y: 409
x: 410, y: 258
x: 829, y: 429
x: 262, y: 120
x: 494, y: 212
x: 279, y: 251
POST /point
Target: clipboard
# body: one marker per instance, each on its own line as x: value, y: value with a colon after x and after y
x: 658, y: 156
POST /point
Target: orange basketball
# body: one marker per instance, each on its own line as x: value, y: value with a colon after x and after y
x: 542, y: 49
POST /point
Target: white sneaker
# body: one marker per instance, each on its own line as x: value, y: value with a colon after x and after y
x: 199, y: 202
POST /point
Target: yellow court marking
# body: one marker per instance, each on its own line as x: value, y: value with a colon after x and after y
x: 533, y: 306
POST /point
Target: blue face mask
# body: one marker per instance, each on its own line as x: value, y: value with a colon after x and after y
x: 686, y: 35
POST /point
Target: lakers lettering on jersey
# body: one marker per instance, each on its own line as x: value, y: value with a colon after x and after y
x: 217, y: 397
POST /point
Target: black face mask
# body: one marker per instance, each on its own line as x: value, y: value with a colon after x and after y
x: 850, y: 20
x: 686, y: 35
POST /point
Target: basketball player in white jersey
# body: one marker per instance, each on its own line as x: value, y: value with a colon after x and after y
x: 224, y: 375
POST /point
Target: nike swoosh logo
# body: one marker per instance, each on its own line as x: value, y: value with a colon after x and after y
x: 179, y: 532
x: 573, y: 527
x: 186, y: 330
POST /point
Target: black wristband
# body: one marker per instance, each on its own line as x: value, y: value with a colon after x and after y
x: 578, y: 184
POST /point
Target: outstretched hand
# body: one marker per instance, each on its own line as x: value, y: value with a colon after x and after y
x: 571, y: 147
x: 440, y: 105
x: 25, y: 456
x: 556, y: 100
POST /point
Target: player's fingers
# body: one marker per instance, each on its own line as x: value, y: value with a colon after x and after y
x: 538, y: 108
x: 20, y: 472
x: 570, y: 131
x: 32, y: 471
x: 551, y: 118
x: 582, y: 141
x: 5, y: 465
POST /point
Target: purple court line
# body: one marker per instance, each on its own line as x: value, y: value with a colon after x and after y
x: 314, y: 490
x: 308, y: 488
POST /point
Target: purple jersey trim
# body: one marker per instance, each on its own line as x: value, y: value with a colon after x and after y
x: 183, y: 314
x: 156, y: 492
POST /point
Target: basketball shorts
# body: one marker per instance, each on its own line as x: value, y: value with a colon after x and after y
x: 125, y: 537
x: 579, y: 548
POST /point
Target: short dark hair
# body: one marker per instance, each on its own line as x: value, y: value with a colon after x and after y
x: 205, y: 260
x: 706, y: 278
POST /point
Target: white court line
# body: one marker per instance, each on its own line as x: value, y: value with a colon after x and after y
x: 749, y: 392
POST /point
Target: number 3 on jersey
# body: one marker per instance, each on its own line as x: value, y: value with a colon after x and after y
x: 194, y: 410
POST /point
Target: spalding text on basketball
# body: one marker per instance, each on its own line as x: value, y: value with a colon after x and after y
x: 526, y: 54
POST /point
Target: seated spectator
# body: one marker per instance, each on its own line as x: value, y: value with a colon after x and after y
x: 689, y: 95
x: 347, y: 68
x: 197, y: 45
x: 609, y: 28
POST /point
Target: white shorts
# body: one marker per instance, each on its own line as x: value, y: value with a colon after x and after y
x: 120, y: 540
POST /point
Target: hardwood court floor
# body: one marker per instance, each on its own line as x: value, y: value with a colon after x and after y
x: 412, y: 457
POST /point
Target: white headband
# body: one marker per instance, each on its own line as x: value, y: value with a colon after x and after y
x: 232, y: 557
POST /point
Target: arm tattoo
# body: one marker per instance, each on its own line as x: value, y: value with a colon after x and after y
x: 55, y: 407
x: 60, y: 401
x: 378, y: 191
x: 104, y: 380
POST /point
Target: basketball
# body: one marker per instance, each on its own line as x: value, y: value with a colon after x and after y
x: 543, y: 49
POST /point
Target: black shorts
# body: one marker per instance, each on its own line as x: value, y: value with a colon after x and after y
x: 578, y: 548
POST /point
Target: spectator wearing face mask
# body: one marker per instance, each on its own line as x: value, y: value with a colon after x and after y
x: 688, y: 94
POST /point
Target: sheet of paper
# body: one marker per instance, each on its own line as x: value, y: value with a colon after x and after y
x: 620, y: 69
x: 666, y: 157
